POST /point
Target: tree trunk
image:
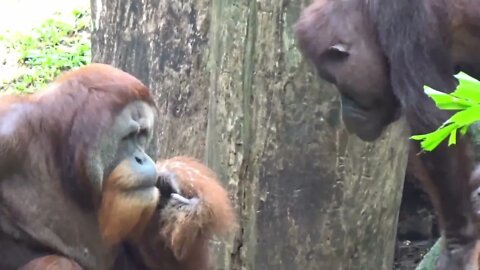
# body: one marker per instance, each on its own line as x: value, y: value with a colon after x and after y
x: 233, y: 90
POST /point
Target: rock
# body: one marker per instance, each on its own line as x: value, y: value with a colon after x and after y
x: 429, y: 260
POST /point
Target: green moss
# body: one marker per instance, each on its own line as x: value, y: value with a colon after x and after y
x: 54, y: 46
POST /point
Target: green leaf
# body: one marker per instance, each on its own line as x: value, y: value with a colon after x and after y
x: 466, y: 117
x: 447, y: 101
x: 468, y: 88
x: 431, y: 140
x: 462, y: 76
x: 453, y: 138
x: 465, y: 99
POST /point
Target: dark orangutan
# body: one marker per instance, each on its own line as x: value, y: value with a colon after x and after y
x: 475, y: 197
x: 56, y: 149
x: 193, y: 208
x: 380, y: 54
x: 475, y: 194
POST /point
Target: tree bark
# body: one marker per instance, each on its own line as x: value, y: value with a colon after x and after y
x: 233, y: 90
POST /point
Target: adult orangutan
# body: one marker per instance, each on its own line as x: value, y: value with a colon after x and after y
x: 380, y: 54
x: 56, y: 148
x: 77, y: 188
x: 193, y: 208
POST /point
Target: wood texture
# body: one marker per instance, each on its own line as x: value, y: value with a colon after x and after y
x: 233, y: 89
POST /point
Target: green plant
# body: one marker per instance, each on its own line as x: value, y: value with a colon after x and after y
x: 466, y: 100
x: 54, y: 46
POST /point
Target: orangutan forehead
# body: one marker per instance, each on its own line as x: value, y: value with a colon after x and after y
x: 330, y: 23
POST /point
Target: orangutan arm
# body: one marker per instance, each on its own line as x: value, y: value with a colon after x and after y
x: 178, y: 235
x: 51, y: 262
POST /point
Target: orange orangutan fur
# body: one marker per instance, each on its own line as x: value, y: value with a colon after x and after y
x: 123, y: 216
x: 173, y: 236
x: 178, y: 235
x: 212, y: 214
x: 51, y: 262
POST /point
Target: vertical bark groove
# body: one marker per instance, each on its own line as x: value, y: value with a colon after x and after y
x: 232, y: 89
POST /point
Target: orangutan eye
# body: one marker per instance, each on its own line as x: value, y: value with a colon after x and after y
x: 140, y: 133
x: 337, y: 52
x: 341, y: 48
x: 129, y: 136
x: 143, y: 132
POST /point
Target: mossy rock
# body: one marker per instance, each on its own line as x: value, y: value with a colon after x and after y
x: 430, y: 259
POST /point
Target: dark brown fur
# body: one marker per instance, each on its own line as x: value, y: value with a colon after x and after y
x: 475, y: 198
x: 380, y: 54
